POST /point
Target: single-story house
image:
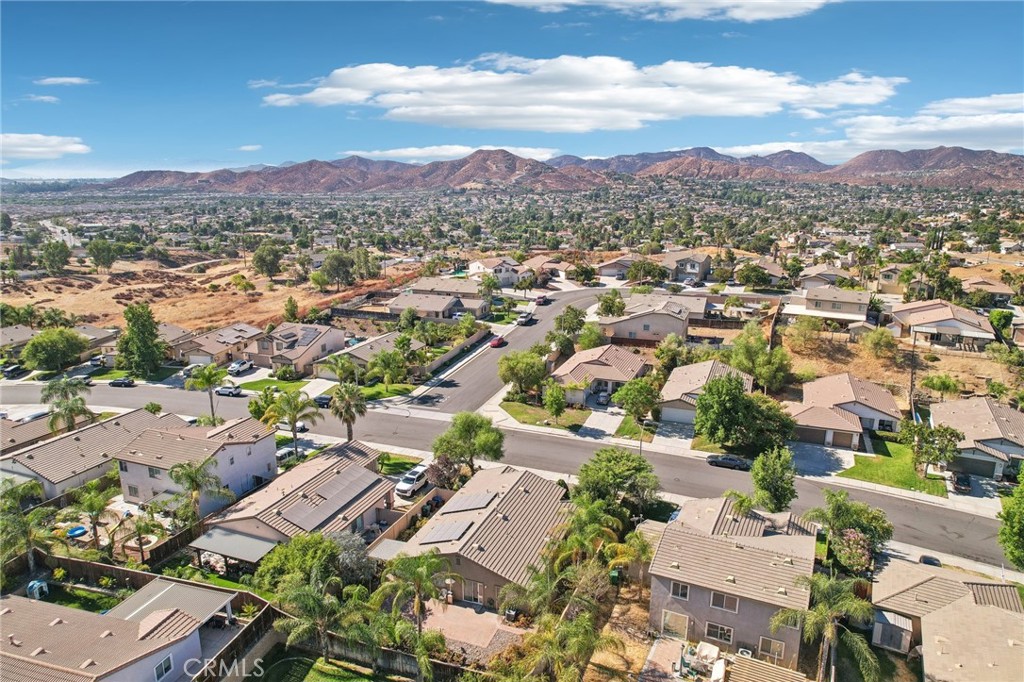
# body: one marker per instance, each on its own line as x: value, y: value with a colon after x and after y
x: 679, y: 394
x: 14, y: 338
x: 993, y: 435
x: 102, y: 340
x: 776, y: 273
x: 428, y: 306
x: 365, y: 351
x: 821, y: 276
x: 446, y: 286
x: 548, y: 266
x: 616, y: 266
x: 1001, y: 294
x: 172, y: 336
x: 219, y: 346
x: 601, y: 369
x: 942, y: 323
x: 832, y: 426
x: 873, y: 404
x: 649, y: 318
x: 296, y: 346
x: 843, y: 306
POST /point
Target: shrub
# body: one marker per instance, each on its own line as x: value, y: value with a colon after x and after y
x: 888, y: 436
x: 805, y: 375
x: 60, y: 574
x: 516, y: 396
x: 286, y: 374
x: 931, y: 357
x: 105, y: 582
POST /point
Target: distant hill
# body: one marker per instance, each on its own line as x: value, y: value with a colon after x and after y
x: 939, y: 167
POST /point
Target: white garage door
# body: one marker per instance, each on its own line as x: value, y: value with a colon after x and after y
x: 199, y: 359
x: 677, y: 415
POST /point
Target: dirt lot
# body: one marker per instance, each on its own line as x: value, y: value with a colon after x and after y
x: 629, y: 623
x: 181, y: 297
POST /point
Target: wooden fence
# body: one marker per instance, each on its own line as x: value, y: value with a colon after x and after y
x: 164, y: 550
x: 406, y: 520
x: 249, y: 635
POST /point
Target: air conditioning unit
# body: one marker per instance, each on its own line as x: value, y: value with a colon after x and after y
x: 745, y: 653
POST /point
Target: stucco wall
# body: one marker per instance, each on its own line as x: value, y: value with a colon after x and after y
x: 659, y: 326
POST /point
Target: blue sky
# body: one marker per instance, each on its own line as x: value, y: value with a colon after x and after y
x: 95, y: 89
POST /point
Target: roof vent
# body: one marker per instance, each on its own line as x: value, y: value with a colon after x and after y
x: 76, y: 438
x: 674, y: 564
x: 277, y: 511
x: 12, y: 641
x: 788, y: 560
x: 730, y: 579
x: 4, y: 611
x: 40, y: 651
x: 55, y: 621
x: 87, y: 663
x: 781, y: 590
x: 105, y: 634
x: 117, y: 423
x: 303, y: 495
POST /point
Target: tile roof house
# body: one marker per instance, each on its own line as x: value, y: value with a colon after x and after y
x: 720, y: 577
x: 549, y: 266
x: 243, y: 450
x: 993, y: 435
x: 685, y: 264
x: 1001, y: 294
x: 428, y: 306
x: 601, y: 369
x: 18, y: 434
x: 219, y: 346
x: 296, y: 346
x: 649, y: 318
x: 87, y: 453
x: 338, y: 490
x: 507, y: 270
x: 492, y: 530
x: 616, y: 266
x: 774, y: 270
x: 836, y: 409
x: 14, y: 337
x: 448, y: 286
x: 943, y: 323
x: 827, y: 302
x: 887, y: 280
x: 362, y: 353
x: 821, y: 275
x: 968, y: 628
x: 679, y: 394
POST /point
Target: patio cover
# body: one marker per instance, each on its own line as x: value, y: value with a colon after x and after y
x: 233, y: 545
x: 387, y: 549
x: 894, y: 619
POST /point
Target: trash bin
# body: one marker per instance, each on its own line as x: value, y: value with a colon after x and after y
x: 614, y: 576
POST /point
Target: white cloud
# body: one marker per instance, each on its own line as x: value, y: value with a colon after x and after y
x: 580, y: 94
x: 250, y: 148
x: 976, y: 105
x: 676, y: 10
x: 261, y: 83
x: 34, y: 146
x: 45, y: 99
x: 64, y: 80
x: 443, y: 152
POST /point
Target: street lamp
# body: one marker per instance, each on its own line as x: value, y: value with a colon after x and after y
x: 643, y: 425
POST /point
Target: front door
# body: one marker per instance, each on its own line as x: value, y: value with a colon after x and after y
x: 673, y: 623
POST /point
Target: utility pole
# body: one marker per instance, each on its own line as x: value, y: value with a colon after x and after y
x: 913, y: 371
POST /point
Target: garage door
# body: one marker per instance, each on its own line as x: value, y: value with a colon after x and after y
x: 978, y: 467
x: 842, y: 440
x: 802, y: 433
x: 677, y: 415
x: 675, y: 623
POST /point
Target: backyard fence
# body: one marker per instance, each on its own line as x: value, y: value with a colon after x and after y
x: 251, y: 633
x: 457, y: 350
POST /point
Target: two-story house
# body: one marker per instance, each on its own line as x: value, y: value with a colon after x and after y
x: 682, y: 265
x: 243, y: 452
x: 295, y: 346
x: 993, y: 435
x: 720, y: 576
x: 219, y: 346
x: 616, y: 267
x: 822, y: 275
x: 842, y: 306
x: 1001, y: 293
x: 507, y: 270
x: 837, y: 409
x: 649, y: 318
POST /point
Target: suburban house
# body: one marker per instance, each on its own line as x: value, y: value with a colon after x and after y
x: 507, y: 270
x: 427, y: 306
x: 548, y: 266
x: 968, y: 628
x: 364, y: 352
x: 679, y: 394
x: 837, y: 409
x: 14, y: 338
x: 649, y: 318
x: 296, y: 346
x: 1001, y: 294
x: 84, y: 454
x: 152, y: 635
x: 492, y: 530
x: 598, y: 370
x: 243, y: 450
x: 943, y: 323
x: 19, y: 434
x: 171, y: 335
x: 100, y: 340
x: 775, y: 271
x: 720, y: 577
x: 843, y: 306
x: 335, y: 491
x: 682, y: 265
x: 456, y: 287
x: 218, y: 347
x: 887, y: 281
x: 993, y: 435
x: 822, y: 275
x: 616, y: 266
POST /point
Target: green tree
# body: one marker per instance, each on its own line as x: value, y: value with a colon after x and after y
x: 634, y: 550
x: 671, y: 353
x: 591, y: 336
x: 342, y: 366
x: 488, y: 285
x: 292, y: 407
x: 589, y: 526
x: 137, y: 527
x: 153, y: 407
x: 64, y: 412
x: 63, y: 388
x: 261, y: 402
x: 5, y: 221
x: 752, y: 275
x: 266, y: 259
x: 102, y: 252
x: 943, y: 384
x: 348, y: 404
x: 611, y: 304
x: 53, y: 256
x: 337, y: 267
x: 316, y: 613
x: 646, y: 271
x: 840, y: 513
x: 297, y: 561
x: 21, y: 530
x: 880, y: 343
x: 197, y: 479
x: 1001, y: 320
x: 561, y: 649
x: 721, y: 408
x: 291, y: 310
x: 804, y: 333
x: 412, y: 582
x: 748, y: 348
x: 613, y: 473
x: 554, y: 399
x: 140, y: 351
x: 561, y: 341
x: 541, y: 593
x: 319, y: 280
x: 389, y: 366
x: 773, y: 369
x: 930, y: 446
x: 91, y: 501
x: 1011, y: 532
x: 834, y: 602
x: 765, y: 424
x: 637, y: 397
x: 570, y: 321
x: 207, y: 378
x: 54, y: 349
x: 407, y: 319
x: 471, y: 436
x: 523, y: 369
x: 774, y: 476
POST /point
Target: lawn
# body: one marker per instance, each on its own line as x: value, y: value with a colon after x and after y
x: 81, y: 599
x: 280, y: 440
x: 660, y: 510
x: 379, y: 391
x: 571, y: 419
x: 397, y: 464
x: 292, y: 665
x: 894, y: 466
x: 629, y: 429
x: 261, y: 384
x: 499, y: 317
x: 704, y: 445
x: 108, y: 373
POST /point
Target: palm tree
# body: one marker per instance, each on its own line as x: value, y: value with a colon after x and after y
x: 341, y: 366
x: 833, y: 600
x: 292, y: 407
x: 742, y: 504
x: 20, y: 529
x: 412, y: 581
x: 197, y: 479
x: 588, y: 527
x: 63, y: 388
x: 561, y: 649
x: 66, y: 413
x: 835, y: 516
x: 348, y: 404
x: 423, y: 645
x: 943, y: 384
x: 541, y: 594
x: 389, y: 366
x: 316, y: 612
x: 634, y: 549
x: 207, y: 378
x: 91, y: 500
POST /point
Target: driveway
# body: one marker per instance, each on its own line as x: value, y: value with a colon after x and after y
x: 674, y: 435
x: 983, y: 498
x: 820, y: 460
x: 603, y: 421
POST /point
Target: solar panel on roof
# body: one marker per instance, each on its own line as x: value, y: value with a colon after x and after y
x: 309, y: 335
x: 338, y: 493
x: 469, y: 502
x: 445, y: 531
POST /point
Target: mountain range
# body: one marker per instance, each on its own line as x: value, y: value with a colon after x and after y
x: 938, y: 167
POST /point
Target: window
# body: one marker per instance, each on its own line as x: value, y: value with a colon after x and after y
x: 860, y: 308
x: 133, y: 491
x: 647, y: 327
x: 817, y: 304
x: 837, y: 306
x: 154, y: 472
x: 122, y: 465
x: 231, y: 460
x: 726, y: 602
x: 719, y: 632
x: 771, y: 649
x: 632, y: 335
x: 680, y: 591
x: 161, y: 670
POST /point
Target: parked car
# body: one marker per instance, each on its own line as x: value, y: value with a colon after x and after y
x: 299, y: 426
x: 123, y: 382
x: 286, y: 452
x: 621, y: 276
x: 233, y: 391
x: 729, y: 462
x: 187, y: 372
x: 459, y: 315
x: 14, y: 371
x: 413, y: 480
x: 97, y: 361
x: 961, y: 482
x: 604, y: 398
x: 929, y: 560
x: 497, y: 342
x: 542, y: 300
x: 85, y: 380
x: 239, y: 366
x: 524, y: 319
x: 698, y: 284
x: 323, y: 400
x: 689, y: 281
